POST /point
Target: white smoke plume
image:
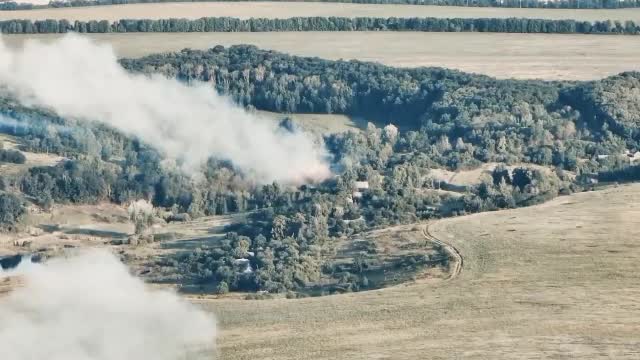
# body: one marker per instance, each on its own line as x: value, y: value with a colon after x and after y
x: 80, y: 79
x: 89, y: 307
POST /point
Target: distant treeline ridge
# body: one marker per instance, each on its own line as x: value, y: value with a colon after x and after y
x: 228, y: 24
x: 560, y: 4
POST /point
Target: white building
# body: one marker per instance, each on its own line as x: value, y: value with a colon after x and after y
x: 361, y: 185
x: 244, y: 264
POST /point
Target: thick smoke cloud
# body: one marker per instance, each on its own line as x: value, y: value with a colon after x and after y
x: 90, y: 308
x: 80, y: 79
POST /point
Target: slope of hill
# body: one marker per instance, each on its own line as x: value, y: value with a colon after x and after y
x: 555, y: 280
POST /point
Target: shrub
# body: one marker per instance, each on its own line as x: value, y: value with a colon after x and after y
x: 12, y: 210
x: 222, y: 288
x: 12, y: 156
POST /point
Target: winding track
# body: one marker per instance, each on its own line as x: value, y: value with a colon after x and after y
x: 454, y: 255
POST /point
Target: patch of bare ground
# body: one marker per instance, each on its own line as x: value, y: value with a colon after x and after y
x: 246, y: 10
x: 476, y: 176
x: 551, y: 281
x: 67, y: 226
x: 79, y: 226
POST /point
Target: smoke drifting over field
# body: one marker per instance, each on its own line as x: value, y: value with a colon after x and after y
x: 80, y: 79
x: 90, y: 308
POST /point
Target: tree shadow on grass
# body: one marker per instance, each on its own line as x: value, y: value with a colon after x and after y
x: 192, y: 244
x: 79, y: 231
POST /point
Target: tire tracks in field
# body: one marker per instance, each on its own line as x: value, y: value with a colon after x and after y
x: 455, y: 257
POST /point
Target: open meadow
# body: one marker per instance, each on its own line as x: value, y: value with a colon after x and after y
x: 319, y: 123
x: 520, y: 56
x: 245, y: 10
x: 551, y: 281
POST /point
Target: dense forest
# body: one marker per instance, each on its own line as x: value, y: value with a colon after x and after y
x: 227, y: 24
x: 560, y: 4
x: 435, y: 100
x: 551, y: 138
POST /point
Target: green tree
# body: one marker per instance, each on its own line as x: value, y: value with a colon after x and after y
x: 222, y: 288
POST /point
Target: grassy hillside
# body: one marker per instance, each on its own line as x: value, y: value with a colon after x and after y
x: 556, y: 280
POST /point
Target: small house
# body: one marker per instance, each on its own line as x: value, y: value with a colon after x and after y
x: 361, y: 185
x: 358, y: 188
x: 244, y: 265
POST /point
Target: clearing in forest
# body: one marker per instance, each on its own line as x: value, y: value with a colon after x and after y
x: 319, y: 123
x: 32, y: 159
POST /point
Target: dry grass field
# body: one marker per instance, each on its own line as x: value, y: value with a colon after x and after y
x: 476, y: 176
x: 522, y: 56
x: 556, y: 281
x: 67, y: 226
x: 247, y: 10
x: 96, y: 225
x: 319, y: 123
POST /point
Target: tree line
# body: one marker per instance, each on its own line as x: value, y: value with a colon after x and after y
x: 561, y: 4
x: 228, y: 24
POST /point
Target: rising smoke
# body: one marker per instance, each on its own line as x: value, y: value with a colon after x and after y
x: 89, y: 307
x: 80, y: 79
